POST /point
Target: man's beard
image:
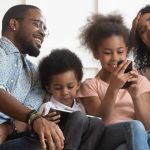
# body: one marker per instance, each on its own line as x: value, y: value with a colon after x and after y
x: 33, y: 52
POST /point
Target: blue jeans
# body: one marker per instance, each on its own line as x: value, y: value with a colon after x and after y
x: 22, y: 143
x: 139, y: 136
x: 132, y: 133
x: 121, y: 147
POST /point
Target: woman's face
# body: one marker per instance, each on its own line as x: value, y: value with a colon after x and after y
x: 144, y: 28
x: 110, y: 51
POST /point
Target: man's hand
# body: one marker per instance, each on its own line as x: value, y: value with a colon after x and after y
x: 49, y: 134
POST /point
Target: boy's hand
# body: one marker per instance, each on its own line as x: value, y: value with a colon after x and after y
x: 53, y: 116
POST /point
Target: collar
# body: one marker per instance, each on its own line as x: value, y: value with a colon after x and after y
x: 8, y: 46
x: 62, y: 106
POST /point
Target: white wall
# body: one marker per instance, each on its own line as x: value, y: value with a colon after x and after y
x: 128, y: 8
x: 6, y: 5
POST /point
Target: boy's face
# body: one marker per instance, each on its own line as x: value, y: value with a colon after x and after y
x: 110, y: 51
x: 63, y: 87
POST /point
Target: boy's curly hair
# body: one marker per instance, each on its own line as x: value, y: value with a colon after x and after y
x: 59, y: 61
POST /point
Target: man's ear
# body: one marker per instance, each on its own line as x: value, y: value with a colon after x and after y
x: 13, y: 24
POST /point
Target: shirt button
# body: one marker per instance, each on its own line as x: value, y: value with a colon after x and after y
x: 11, y: 80
x: 15, y: 65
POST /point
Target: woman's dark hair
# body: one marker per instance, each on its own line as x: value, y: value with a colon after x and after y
x: 17, y: 11
x: 142, y: 52
x: 59, y: 61
x: 99, y: 27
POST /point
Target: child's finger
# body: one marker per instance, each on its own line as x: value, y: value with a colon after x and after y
x: 57, y: 121
x: 52, y: 113
x: 53, y: 116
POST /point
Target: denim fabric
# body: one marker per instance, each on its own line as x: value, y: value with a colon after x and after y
x: 18, y: 76
x: 139, y: 136
x: 132, y: 133
x: 27, y: 141
x: 122, y: 147
x: 22, y: 143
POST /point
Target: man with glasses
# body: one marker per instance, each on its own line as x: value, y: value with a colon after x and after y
x: 23, y: 32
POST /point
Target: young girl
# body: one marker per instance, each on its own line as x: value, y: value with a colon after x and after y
x: 60, y: 76
x: 103, y: 96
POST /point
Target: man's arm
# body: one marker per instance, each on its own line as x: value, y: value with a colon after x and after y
x: 47, y: 131
x: 10, y: 106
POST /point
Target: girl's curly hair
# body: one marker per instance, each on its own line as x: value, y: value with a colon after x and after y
x: 99, y: 27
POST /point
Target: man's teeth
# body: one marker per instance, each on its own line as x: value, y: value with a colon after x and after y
x: 38, y: 40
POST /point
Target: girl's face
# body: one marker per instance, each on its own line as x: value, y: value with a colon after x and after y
x: 63, y: 87
x: 110, y: 51
x: 144, y: 28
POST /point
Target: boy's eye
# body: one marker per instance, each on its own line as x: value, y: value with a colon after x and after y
x: 57, y: 88
x: 107, y: 52
x: 70, y: 87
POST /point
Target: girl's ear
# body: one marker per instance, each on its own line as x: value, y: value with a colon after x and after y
x: 96, y: 55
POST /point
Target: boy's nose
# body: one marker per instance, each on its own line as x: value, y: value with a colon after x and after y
x: 65, y: 91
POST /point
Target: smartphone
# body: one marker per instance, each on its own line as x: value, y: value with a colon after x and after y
x: 128, y: 69
x: 64, y: 114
